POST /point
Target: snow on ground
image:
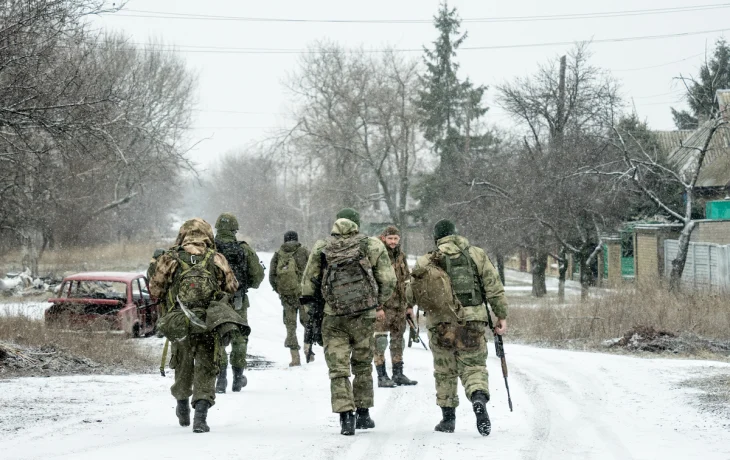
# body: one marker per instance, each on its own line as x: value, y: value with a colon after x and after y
x: 568, y: 405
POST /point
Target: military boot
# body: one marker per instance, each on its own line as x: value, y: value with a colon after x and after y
x: 308, y: 352
x: 295, y: 360
x: 201, y: 414
x: 479, y: 402
x: 383, y: 379
x: 448, y: 420
x: 183, y: 412
x: 363, y: 421
x: 239, y: 380
x: 347, y: 423
x: 399, y: 378
x: 222, y: 382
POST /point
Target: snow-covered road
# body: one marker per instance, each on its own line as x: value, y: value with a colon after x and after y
x: 568, y: 405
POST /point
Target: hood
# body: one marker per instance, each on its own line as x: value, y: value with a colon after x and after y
x: 344, y: 227
x: 452, y: 244
x: 195, y: 236
x: 291, y: 246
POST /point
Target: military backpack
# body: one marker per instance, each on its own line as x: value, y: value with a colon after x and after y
x: 464, y: 278
x: 236, y: 257
x: 433, y: 291
x: 287, y: 274
x: 348, y: 282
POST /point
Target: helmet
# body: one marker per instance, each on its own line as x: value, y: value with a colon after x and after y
x: 226, y: 221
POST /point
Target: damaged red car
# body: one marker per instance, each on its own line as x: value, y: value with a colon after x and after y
x: 104, y: 301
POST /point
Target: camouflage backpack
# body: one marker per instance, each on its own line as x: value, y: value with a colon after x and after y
x: 195, y: 284
x: 348, y: 283
x: 287, y: 276
x: 236, y: 257
x: 433, y: 291
x: 464, y: 278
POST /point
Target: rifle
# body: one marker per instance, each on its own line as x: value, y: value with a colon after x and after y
x: 313, y: 330
x: 414, y: 335
x: 499, y: 348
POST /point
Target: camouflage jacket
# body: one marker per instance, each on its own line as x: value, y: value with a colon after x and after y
x: 255, y: 269
x: 301, y: 255
x: 399, y: 299
x: 452, y: 246
x: 195, y: 237
x: 377, y: 254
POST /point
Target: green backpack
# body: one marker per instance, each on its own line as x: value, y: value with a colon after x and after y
x: 287, y: 274
x: 464, y: 278
x: 195, y: 284
x: 348, y: 283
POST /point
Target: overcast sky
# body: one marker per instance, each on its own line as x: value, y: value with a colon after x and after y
x: 241, y: 97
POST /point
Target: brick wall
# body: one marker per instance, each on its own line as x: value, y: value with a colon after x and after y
x: 614, y: 262
x: 646, y: 257
x: 712, y: 231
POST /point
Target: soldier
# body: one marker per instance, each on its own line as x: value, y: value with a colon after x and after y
x: 193, y: 357
x: 458, y: 341
x: 249, y: 272
x: 396, y: 309
x: 356, y: 279
x: 285, y: 276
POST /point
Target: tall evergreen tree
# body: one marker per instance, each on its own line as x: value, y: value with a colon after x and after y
x: 714, y: 75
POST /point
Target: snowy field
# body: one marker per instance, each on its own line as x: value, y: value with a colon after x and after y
x: 568, y: 405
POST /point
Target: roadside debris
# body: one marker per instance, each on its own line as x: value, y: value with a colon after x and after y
x: 20, y: 284
x: 647, y: 338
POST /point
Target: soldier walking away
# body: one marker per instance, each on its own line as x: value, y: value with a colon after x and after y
x: 356, y: 278
x: 457, y: 320
x: 189, y: 276
x: 249, y: 272
x: 285, y: 276
x: 396, y: 310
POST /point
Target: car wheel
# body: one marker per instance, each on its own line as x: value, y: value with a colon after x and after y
x: 135, y: 330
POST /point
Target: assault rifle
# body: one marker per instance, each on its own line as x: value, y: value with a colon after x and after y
x: 313, y: 330
x: 499, y: 348
x: 414, y: 335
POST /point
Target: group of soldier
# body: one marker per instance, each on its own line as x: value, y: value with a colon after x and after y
x: 351, y: 293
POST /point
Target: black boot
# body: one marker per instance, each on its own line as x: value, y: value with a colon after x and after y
x: 363, y: 421
x: 398, y: 376
x: 222, y: 382
x: 383, y: 379
x: 201, y: 413
x: 479, y: 402
x: 347, y: 423
x: 183, y: 412
x: 239, y: 380
x: 448, y: 420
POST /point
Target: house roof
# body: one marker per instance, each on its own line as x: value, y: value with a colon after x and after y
x: 716, y: 166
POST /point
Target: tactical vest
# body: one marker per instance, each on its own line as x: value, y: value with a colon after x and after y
x: 348, y: 282
x: 287, y: 274
x: 236, y: 257
x: 464, y: 278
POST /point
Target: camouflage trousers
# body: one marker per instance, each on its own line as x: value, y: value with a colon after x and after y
x: 195, y: 367
x: 348, y: 345
x: 291, y: 308
x: 395, y: 324
x: 239, y: 346
x: 459, y: 352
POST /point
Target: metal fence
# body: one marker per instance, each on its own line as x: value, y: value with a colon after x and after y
x: 707, y: 266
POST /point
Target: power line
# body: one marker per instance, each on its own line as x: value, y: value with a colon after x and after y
x: 234, y: 50
x: 660, y: 65
x: 553, y: 17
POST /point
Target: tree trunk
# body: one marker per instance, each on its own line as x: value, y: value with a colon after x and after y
x: 30, y: 240
x: 500, y: 266
x: 562, y: 271
x: 539, y: 261
x: 585, y: 275
x: 675, y: 278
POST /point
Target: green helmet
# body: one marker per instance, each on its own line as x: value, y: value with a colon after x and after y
x: 226, y: 221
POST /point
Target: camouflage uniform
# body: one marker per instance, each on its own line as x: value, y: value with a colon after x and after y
x: 460, y: 352
x: 395, y: 311
x: 291, y: 302
x: 239, y: 342
x: 193, y: 358
x: 348, y: 339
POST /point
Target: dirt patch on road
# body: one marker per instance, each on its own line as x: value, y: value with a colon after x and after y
x: 714, y: 397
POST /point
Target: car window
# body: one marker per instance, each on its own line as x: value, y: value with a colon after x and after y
x: 136, y: 291
x: 111, y: 290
